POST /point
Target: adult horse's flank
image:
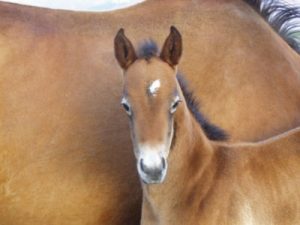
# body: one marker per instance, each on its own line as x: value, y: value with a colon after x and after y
x: 206, y: 182
x: 65, y: 150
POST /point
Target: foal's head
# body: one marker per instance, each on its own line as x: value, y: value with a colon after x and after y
x: 151, y: 96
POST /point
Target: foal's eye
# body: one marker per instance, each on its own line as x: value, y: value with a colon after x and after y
x: 126, y: 106
x: 174, y: 105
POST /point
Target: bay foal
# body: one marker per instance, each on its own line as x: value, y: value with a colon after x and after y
x: 187, y: 178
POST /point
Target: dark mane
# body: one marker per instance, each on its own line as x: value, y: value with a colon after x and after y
x: 212, y: 131
x: 147, y: 50
x: 282, y: 17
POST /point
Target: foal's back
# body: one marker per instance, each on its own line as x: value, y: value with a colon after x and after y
x: 262, y: 184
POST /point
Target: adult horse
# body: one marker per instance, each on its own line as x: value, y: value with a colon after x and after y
x: 65, y: 149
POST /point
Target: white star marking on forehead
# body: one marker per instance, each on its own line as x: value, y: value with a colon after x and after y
x: 153, y: 87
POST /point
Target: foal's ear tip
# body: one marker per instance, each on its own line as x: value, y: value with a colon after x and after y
x: 121, y: 31
x: 173, y: 29
x: 120, y: 35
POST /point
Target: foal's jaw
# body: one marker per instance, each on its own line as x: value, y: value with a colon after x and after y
x: 152, y: 164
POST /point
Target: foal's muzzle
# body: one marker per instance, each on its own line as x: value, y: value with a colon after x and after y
x: 153, y: 170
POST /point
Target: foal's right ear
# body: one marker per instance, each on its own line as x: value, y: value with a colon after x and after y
x: 124, y: 50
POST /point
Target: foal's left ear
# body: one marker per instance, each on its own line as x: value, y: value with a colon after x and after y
x: 172, y: 49
x: 124, y: 50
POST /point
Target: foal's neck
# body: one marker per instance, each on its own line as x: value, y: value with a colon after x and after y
x: 189, y: 163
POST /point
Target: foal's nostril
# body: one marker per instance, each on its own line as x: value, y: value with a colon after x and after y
x: 146, y: 168
x: 163, y: 163
x: 142, y: 165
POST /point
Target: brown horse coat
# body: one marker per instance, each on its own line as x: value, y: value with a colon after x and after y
x: 65, y: 152
x: 187, y: 178
x: 242, y: 184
